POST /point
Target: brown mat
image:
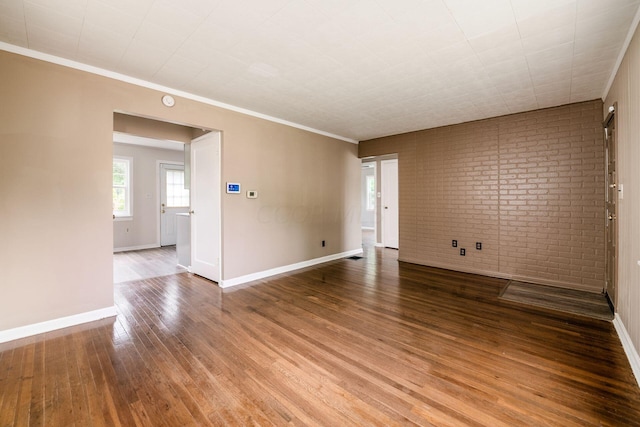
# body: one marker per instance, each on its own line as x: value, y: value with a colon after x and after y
x: 566, y: 300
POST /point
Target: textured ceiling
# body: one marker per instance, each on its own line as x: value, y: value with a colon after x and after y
x: 359, y: 69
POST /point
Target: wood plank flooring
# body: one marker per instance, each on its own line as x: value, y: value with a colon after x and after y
x: 145, y: 264
x: 568, y: 300
x: 351, y: 342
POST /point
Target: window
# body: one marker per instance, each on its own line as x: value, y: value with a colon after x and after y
x: 121, y: 187
x: 177, y: 195
x: 371, y: 193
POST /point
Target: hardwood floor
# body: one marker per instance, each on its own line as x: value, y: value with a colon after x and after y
x: 568, y: 300
x: 145, y: 264
x: 350, y: 342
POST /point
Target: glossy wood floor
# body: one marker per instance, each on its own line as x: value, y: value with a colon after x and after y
x: 366, y: 342
x: 145, y: 264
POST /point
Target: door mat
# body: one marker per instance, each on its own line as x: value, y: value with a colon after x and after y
x: 566, y: 300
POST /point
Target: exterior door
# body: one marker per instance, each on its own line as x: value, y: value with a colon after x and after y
x: 174, y: 198
x: 389, y: 198
x: 205, y: 206
x: 611, y: 230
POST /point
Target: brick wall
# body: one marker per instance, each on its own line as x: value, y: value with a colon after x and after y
x: 529, y: 186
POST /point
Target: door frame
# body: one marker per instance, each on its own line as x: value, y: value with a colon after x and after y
x: 611, y: 226
x: 159, y: 164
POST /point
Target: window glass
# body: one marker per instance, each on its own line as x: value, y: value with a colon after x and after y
x: 121, y: 187
x: 177, y: 195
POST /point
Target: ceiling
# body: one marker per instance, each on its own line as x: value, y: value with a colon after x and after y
x: 355, y: 68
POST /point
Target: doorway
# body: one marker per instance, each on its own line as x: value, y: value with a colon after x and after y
x: 368, y: 203
x: 611, y: 202
x: 145, y: 241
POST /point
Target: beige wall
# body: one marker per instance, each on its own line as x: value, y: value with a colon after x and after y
x: 149, y: 128
x: 529, y: 187
x: 625, y: 91
x: 142, y: 228
x: 56, y: 145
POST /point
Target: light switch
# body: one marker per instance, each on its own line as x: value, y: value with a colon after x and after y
x: 252, y: 194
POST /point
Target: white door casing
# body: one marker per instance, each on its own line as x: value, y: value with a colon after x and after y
x: 206, y: 207
x: 389, y: 199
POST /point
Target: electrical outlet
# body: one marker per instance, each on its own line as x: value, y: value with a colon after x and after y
x: 462, y: 252
x: 479, y: 246
x: 454, y: 243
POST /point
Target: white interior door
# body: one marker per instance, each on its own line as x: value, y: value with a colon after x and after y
x: 205, y: 206
x: 174, y: 198
x: 389, y: 199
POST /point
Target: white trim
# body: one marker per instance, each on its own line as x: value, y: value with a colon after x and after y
x: 378, y: 245
x: 52, y: 325
x: 621, y: 54
x: 285, y: 269
x: 154, y: 86
x: 137, y: 248
x: 629, y: 349
x: 369, y: 228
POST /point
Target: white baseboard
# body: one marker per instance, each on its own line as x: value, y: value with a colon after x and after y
x: 629, y: 349
x: 379, y: 245
x: 285, y: 269
x: 369, y: 228
x: 136, y: 248
x: 52, y: 325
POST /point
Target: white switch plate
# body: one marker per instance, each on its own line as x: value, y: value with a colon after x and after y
x: 252, y: 194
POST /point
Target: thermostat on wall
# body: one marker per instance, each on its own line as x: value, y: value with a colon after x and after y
x: 252, y: 194
x: 233, y: 188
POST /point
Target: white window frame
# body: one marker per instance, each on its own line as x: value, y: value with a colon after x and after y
x: 128, y: 190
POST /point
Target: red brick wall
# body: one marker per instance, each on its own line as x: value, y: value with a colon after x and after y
x: 529, y: 186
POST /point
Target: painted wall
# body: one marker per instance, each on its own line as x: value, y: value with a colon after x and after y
x: 149, y: 128
x: 529, y: 187
x: 142, y: 229
x: 57, y: 227
x: 626, y: 92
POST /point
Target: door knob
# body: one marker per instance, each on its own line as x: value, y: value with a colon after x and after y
x: 192, y: 212
x: 162, y: 210
x: 612, y: 186
x: 611, y: 217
